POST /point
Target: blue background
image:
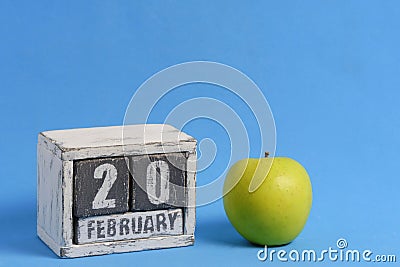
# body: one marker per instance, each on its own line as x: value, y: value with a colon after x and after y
x: 329, y: 69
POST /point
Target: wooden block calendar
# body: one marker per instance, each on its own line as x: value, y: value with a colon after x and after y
x: 116, y: 189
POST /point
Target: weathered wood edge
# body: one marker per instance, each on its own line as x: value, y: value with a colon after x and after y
x: 48, y: 241
x: 49, y: 196
x: 67, y: 202
x: 93, y: 249
x: 185, y: 143
x: 190, y: 210
x: 116, y: 150
x: 133, y: 132
x: 49, y: 144
x: 127, y: 150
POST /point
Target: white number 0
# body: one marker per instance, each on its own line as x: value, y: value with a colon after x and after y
x: 162, y: 168
x: 100, y: 200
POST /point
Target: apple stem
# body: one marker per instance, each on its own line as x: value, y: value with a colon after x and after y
x: 266, y: 154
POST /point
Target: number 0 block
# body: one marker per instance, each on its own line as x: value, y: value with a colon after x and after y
x: 157, y: 178
x: 99, y: 193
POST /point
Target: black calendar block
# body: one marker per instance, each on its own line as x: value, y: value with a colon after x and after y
x: 101, y: 187
x: 158, y: 181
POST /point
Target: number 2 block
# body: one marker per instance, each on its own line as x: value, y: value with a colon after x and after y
x: 101, y: 187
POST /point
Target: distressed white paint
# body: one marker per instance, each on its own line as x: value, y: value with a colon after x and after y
x: 49, y: 241
x: 190, y: 211
x: 116, y: 141
x: 132, y: 150
x: 130, y: 225
x: 49, y: 194
x: 100, y: 200
x: 126, y: 246
x: 56, y: 152
x: 49, y: 145
x: 67, y: 198
x: 111, y: 136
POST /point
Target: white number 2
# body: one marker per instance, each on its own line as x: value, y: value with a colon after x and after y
x: 100, y: 200
x: 157, y: 178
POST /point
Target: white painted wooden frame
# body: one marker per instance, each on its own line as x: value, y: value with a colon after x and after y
x: 56, y: 152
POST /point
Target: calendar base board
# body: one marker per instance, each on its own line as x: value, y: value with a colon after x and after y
x: 93, y: 249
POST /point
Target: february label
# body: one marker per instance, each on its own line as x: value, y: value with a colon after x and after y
x: 131, y: 225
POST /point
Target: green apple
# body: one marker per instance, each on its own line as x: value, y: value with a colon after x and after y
x: 268, y: 200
